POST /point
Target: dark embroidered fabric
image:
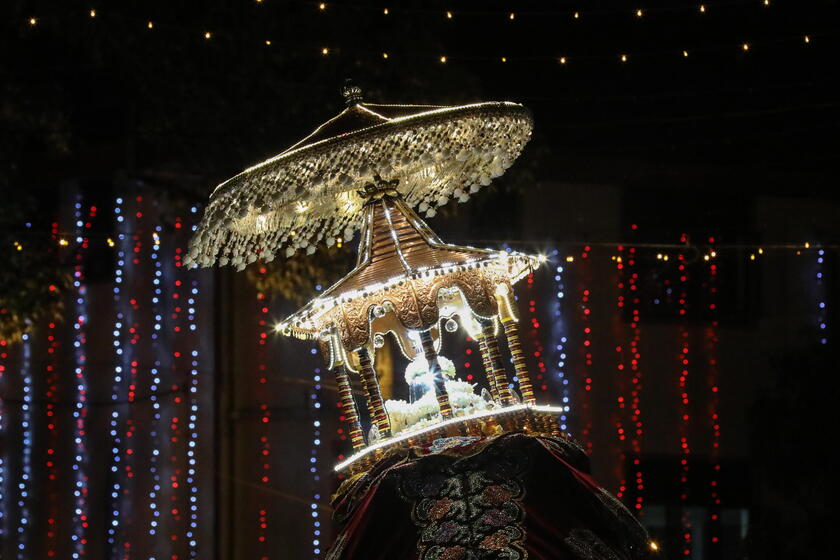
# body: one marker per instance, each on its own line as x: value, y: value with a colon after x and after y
x: 469, y: 508
x: 510, y: 497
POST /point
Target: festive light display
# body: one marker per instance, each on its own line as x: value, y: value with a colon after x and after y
x: 114, y: 517
x: 80, y: 410
x: 637, y: 426
x: 584, y: 401
x: 4, y: 355
x: 315, y: 403
x: 536, y: 338
x: 559, y: 341
x: 713, y: 399
x: 3, y: 436
x: 25, y: 482
x: 634, y: 17
x: 192, y: 424
x: 822, y: 311
x: 685, y: 419
x: 265, y: 419
x: 158, y: 311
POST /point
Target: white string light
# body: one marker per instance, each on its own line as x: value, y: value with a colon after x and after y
x: 192, y: 431
x: 24, y: 485
x: 315, y: 398
x: 79, y: 465
x: 560, y: 340
x: 822, y: 313
x: 154, y: 432
x: 113, y: 516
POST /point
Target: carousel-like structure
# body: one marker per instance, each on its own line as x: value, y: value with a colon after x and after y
x: 461, y: 456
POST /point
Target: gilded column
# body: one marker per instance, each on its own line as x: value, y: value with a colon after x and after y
x: 437, y: 374
x: 376, y: 408
x: 488, y: 366
x: 494, y: 357
x: 348, y: 406
x: 520, y: 366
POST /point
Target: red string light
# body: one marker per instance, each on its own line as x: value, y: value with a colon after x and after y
x: 264, y: 475
x: 685, y: 419
x: 586, y: 349
x: 713, y: 380
x: 50, y: 459
x: 536, y: 339
x: 637, y: 429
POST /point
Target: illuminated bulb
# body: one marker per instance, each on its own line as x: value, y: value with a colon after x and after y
x: 448, y: 15
x: 512, y: 16
x: 385, y: 55
x: 267, y: 43
x: 659, y: 256
x: 702, y: 9
x: 760, y: 251
x: 752, y: 257
x: 110, y: 242
x: 577, y: 15
x: 685, y: 54
x: 638, y: 13
x: 654, y: 546
x: 624, y: 58
x: 570, y: 259
x: 93, y: 13
x: 705, y: 257
x: 443, y: 60
x: 504, y: 59
x: 745, y: 46
x: 385, y: 11
x: 562, y: 60
x: 63, y: 242
x: 664, y: 257
x: 325, y: 51
x: 766, y: 2
x: 150, y: 25
x: 807, y: 245
x: 33, y: 21
x: 807, y: 39
x: 322, y: 6
x: 207, y: 34
x: 714, y: 254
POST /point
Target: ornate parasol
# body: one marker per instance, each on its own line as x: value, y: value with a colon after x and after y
x: 307, y: 194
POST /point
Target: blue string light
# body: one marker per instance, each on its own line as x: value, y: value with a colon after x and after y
x: 3, y: 490
x: 315, y: 397
x: 79, y: 465
x: 821, y: 291
x: 192, y: 442
x: 154, y: 434
x: 559, y: 340
x: 26, y: 456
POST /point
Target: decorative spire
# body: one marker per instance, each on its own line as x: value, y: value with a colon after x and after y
x: 352, y: 93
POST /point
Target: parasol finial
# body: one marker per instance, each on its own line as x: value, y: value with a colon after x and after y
x: 352, y: 93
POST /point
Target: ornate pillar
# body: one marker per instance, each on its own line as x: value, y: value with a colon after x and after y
x: 437, y: 374
x: 488, y: 366
x: 494, y: 357
x: 348, y: 406
x: 520, y: 366
x: 376, y: 408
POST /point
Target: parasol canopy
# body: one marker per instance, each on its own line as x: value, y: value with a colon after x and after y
x: 307, y: 195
